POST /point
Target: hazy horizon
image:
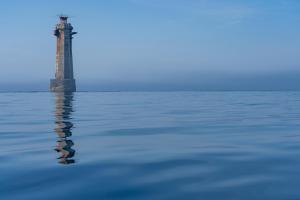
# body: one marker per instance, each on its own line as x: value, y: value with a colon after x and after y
x: 191, y: 82
x: 155, y: 45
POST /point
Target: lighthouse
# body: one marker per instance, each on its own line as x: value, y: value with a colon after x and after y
x: 64, y: 77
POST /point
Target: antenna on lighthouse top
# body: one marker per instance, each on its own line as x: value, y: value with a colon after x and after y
x: 63, y: 17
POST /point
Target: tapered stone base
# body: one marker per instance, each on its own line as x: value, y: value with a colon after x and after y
x: 66, y: 85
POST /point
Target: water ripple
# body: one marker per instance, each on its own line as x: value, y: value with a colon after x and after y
x: 178, y: 145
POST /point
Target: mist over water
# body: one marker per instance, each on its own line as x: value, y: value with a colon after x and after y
x: 124, y: 145
x: 174, y: 81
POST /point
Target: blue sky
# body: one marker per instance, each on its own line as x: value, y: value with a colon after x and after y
x: 155, y: 44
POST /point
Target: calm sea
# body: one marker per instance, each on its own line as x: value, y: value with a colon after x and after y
x: 156, y: 145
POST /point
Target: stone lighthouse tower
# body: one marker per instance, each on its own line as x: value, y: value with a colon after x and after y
x: 64, y: 77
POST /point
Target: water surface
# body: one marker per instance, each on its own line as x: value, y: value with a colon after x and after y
x: 156, y: 145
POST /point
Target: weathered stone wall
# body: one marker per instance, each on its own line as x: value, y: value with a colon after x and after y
x: 64, y: 77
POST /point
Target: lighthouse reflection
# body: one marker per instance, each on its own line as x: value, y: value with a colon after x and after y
x: 63, y: 127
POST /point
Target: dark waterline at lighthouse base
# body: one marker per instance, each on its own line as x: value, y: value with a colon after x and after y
x: 66, y: 85
x: 178, y: 145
